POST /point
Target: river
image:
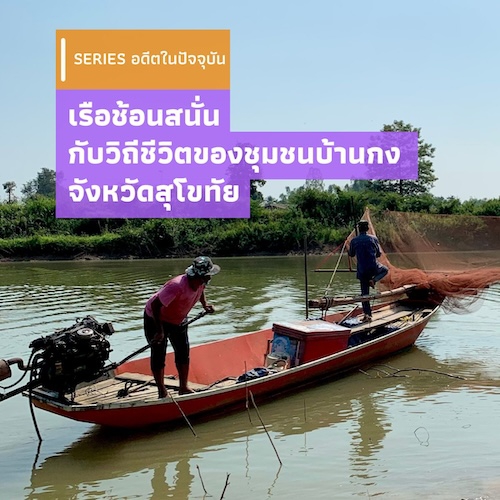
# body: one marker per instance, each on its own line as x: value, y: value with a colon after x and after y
x: 366, y: 435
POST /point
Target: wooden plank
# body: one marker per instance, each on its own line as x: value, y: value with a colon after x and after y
x: 107, y: 391
x: 146, y: 393
x: 135, y: 377
x: 226, y: 383
x: 384, y: 320
x: 98, y: 393
x: 141, y: 377
x: 326, y: 302
x: 95, y: 386
x: 334, y: 270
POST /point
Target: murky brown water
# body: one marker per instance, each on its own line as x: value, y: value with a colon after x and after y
x: 425, y: 435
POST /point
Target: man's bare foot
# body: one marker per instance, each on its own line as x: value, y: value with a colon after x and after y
x: 372, y: 283
x: 185, y: 390
x: 162, y: 393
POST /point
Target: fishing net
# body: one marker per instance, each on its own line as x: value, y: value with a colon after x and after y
x: 451, y: 257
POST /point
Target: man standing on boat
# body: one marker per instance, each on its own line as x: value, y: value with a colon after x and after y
x: 366, y: 248
x: 165, y: 317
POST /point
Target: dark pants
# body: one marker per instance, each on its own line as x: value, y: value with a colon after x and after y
x: 178, y: 338
x: 364, y: 281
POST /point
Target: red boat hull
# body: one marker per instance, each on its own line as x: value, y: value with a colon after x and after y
x: 214, y: 361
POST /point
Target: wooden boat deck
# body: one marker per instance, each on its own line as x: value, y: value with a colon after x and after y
x: 396, y: 318
x: 133, y: 387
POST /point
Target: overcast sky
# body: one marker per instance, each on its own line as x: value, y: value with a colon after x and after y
x: 295, y: 66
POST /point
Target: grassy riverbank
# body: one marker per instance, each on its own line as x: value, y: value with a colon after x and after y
x: 268, y: 232
x: 30, y: 230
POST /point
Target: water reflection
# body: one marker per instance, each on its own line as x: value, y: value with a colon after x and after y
x: 182, y: 477
x: 373, y: 426
x: 164, y: 462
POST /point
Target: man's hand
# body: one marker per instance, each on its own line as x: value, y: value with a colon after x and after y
x: 209, y: 308
x: 158, y: 338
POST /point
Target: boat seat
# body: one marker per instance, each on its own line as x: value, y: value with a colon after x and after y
x: 169, y: 382
x: 385, y: 319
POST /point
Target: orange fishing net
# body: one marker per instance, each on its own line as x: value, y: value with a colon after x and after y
x: 453, y: 257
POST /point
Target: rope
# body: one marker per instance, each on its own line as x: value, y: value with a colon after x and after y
x: 32, y: 411
x: 127, y: 389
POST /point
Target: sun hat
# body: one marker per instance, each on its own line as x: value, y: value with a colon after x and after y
x: 202, y: 266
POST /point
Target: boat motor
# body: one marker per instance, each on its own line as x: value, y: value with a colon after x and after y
x: 64, y: 359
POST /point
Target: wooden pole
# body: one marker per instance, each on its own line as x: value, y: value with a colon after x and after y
x: 264, y: 427
x: 305, y: 277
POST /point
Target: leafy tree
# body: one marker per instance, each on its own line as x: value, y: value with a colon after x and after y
x: 450, y: 205
x: 315, y: 203
x: 426, y: 177
x: 489, y: 207
x: 29, y: 189
x: 317, y: 184
x: 255, y: 194
x: 43, y: 185
x: 284, y: 196
x: 423, y: 203
x: 9, y: 189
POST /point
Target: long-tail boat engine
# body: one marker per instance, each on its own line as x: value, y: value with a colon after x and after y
x: 64, y: 359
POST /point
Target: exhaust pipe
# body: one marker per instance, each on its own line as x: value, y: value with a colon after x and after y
x: 5, y: 371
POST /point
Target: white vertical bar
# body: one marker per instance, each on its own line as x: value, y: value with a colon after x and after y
x: 63, y: 59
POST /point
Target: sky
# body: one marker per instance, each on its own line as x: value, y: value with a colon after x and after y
x: 320, y: 65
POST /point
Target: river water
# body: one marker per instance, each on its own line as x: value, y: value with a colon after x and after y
x: 367, y: 435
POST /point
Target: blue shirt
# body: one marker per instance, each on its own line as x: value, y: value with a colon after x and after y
x: 366, y: 249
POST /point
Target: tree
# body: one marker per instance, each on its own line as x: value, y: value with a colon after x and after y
x: 255, y: 194
x: 9, y: 189
x: 242, y: 172
x: 317, y: 184
x: 426, y: 177
x: 43, y: 185
x: 284, y: 196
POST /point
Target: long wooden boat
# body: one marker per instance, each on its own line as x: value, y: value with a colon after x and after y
x: 226, y: 373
